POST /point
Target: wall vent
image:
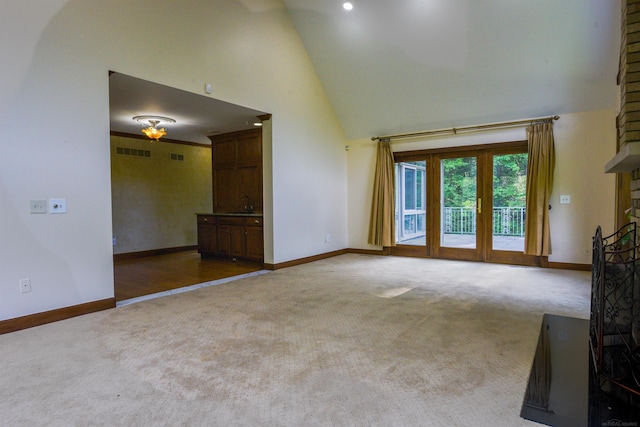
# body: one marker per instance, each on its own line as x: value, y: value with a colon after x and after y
x: 177, y: 157
x: 132, y: 152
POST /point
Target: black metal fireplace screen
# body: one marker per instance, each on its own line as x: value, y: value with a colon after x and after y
x: 614, y: 327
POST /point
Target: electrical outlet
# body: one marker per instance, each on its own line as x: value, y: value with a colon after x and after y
x: 114, y: 241
x: 327, y: 238
x: 565, y: 199
x: 57, y: 206
x: 25, y: 285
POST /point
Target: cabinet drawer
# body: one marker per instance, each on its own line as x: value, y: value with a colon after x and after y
x: 231, y: 220
x: 252, y: 220
x: 206, y: 219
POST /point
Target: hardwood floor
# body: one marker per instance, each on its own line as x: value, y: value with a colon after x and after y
x: 149, y: 275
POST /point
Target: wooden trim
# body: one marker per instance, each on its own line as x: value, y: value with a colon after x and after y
x: 410, y: 251
x: 484, y: 153
x: 234, y: 134
x: 37, y: 319
x: 513, y: 258
x: 168, y: 140
x: 406, y: 156
x: 305, y: 260
x: 570, y: 266
x: 152, y: 252
x: 380, y: 252
x: 407, y: 251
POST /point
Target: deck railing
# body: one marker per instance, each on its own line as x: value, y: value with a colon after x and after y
x: 507, y: 221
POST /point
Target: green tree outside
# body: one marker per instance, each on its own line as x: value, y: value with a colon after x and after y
x: 509, y: 181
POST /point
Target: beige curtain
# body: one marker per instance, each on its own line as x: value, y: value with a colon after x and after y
x: 537, y: 239
x: 381, y: 226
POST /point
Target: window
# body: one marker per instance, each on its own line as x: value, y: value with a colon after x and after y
x: 410, y: 205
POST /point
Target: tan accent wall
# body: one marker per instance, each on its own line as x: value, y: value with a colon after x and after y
x: 583, y: 141
x: 154, y: 198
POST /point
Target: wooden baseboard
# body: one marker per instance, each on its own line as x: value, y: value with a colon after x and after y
x: 570, y: 266
x: 366, y: 251
x: 37, y: 319
x: 324, y: 256
x: 540, y: 261
x: 305, y: 260
x: 152, y: 252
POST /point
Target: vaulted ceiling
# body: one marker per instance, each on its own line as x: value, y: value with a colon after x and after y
x: 412, y: 65
x: 398, y: 66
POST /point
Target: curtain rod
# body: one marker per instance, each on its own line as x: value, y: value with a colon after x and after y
x: 454, y: 131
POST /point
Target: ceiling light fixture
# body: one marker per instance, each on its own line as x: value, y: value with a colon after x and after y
x: 347, y: 5
x: 151, y: 123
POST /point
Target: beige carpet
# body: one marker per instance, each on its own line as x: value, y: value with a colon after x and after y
x: 349, y: 341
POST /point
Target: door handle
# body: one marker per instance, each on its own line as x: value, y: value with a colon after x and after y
x: 479, y: 206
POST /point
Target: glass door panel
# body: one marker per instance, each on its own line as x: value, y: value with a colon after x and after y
x: 465, y: 203
x: 411, y: 206
x: 458, y: 202
x: 509, y: 198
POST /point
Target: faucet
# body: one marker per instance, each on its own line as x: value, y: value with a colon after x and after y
x: 248, y: 207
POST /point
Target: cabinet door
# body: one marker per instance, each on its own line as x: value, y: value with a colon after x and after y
x: 224, y: 240
x: 224, y: 152
x: 249, y: 170
x: 237, y: 241
x: 249, y: 148
x: 254, y: 243
x: 237, y: 170
x: 207, y: 242
x: 225, y: 190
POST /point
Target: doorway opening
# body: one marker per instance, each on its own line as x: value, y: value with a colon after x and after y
x: 465, y: 203
x: 158, y: 187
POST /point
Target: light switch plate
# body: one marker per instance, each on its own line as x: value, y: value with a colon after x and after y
x: 58, y: 206
x: 565, y: 199
x: 38, y: 206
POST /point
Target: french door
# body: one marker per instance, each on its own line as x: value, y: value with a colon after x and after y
x: 463, y: 203
x: 459, y: 217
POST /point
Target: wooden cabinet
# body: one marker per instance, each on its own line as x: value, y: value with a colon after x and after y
x: 207, y: 235
x: 253, y: 238
x: 224, y: 240
x: 237, y: 170
x: 233, y: 236
x: 236, y: 161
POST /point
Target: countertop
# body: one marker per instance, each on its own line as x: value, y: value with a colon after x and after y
x: 259, y: 215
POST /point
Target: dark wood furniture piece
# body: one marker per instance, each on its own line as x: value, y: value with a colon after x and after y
x: 236, y: 161
x: 237, y: 236
x: 234, y: 229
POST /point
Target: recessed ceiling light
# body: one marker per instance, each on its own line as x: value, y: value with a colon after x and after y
x: 347, y: 5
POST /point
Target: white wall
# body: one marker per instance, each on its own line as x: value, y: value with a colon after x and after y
x: 584, y: 142
x: 54, y: 129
